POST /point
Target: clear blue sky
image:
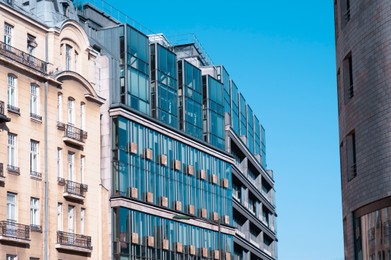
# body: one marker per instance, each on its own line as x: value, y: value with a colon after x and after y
x: 281, y: 56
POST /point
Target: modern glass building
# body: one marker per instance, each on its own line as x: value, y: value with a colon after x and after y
x: 182, y: 151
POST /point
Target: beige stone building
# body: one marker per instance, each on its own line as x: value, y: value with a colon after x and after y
x: 50, y: 186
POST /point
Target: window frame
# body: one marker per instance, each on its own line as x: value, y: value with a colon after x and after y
x: 34, y: 211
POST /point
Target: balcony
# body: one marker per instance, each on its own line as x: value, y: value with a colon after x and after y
x: 22, y: 57
x: 72, y: 135
x: 13, y: 232
x: 74, y: 190
x: 73, y: 242
x: 3, y: 117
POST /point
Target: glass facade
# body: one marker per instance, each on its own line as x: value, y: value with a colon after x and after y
x: 164, y: 88
x: 224, y: 79
x: 372, y: 235
x: 190, y: 99
x: 234, y: 108
x: 134, y: 69
x: 138, y: 235
x: 257, y: 136
x: 152, y: 167
x: 250, y: 129
x: 243, y: 116
x: 263, y: 146
x: 213, y: 96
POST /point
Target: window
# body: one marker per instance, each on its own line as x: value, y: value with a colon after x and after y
x: 59, y: 216
x: 82, y: 167
x: 59, y: 107
x: 34, y: 212
x: 83, y: 115
x: 345, y: 12
x: 71, y: 219
x: 34, y: 158
x: 351, y: 155
x: 31, y: 45
x: 8, y: 36
x: 348, y: 77
x: 71, y: 164
x: 11, y: 257
x: 59, y: 162
x: 76, y: 59
x: 82, y: 218
x: 12, y: 93
x: 12, y: 150
x: 71, y: 111
x: 68, y: 50
x: 34, y: 102
x: 34, y: 258
x: 11, y: 207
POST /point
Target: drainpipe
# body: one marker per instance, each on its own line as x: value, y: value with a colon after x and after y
x: 46, y: 208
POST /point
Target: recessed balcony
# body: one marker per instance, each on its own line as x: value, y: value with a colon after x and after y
x: 13, y: 232
x: 3, y: 117
x: 73, y: 242
x: 74, y: 190
x: 72, y: 134
x: 7, y: 51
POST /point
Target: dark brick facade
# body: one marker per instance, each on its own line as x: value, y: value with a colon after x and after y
x: 367, y: 36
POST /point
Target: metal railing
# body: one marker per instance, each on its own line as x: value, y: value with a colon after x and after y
x: 71, y: 239
x: 23, y: 57
x: 13, y: 169
x: 36, y: 174
x: 75, y: 133
x: 35, y: 116
x: 9, y: 228
x: 14, y: 109
x: 75, y: 188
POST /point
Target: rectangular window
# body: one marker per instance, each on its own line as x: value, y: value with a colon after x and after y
x: 71, y: 219
x: 76, y: 58
x: 345, y: 12
x: 11, y: 207
x: 59, y: 163
x: 8, y: 36
x: 34, y: 211
x: 59, y: 216
x: 34, y: 157
x: 82, y: 218
x: 12, y: 150
x: 59, y: 107
x: 83, y: 115
x: 34, y: 101
x: 71, y: 111
x: 348, y: 77
x: 12, y: 92
x: 351, y: 155
x: 82, y: 168
x: 71, y: 166
x: 11, y: 257
x: 68, y: 50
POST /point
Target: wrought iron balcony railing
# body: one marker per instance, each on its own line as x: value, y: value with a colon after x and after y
x: 13, y: 109
x: 13, y: 169
x: 75, y: 188
x: 9, y: 228
x: 36, y: 175
x: 72, y: 133
x: 22, y: 57
x: 3, y: 117
x: 71, y: 239
x: 36, y: 117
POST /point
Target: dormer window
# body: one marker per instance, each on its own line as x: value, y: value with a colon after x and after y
x: 65, y: 7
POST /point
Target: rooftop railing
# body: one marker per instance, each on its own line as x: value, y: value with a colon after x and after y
x: 22, y: 57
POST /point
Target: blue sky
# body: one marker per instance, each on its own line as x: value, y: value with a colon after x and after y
x: 281, y: 56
